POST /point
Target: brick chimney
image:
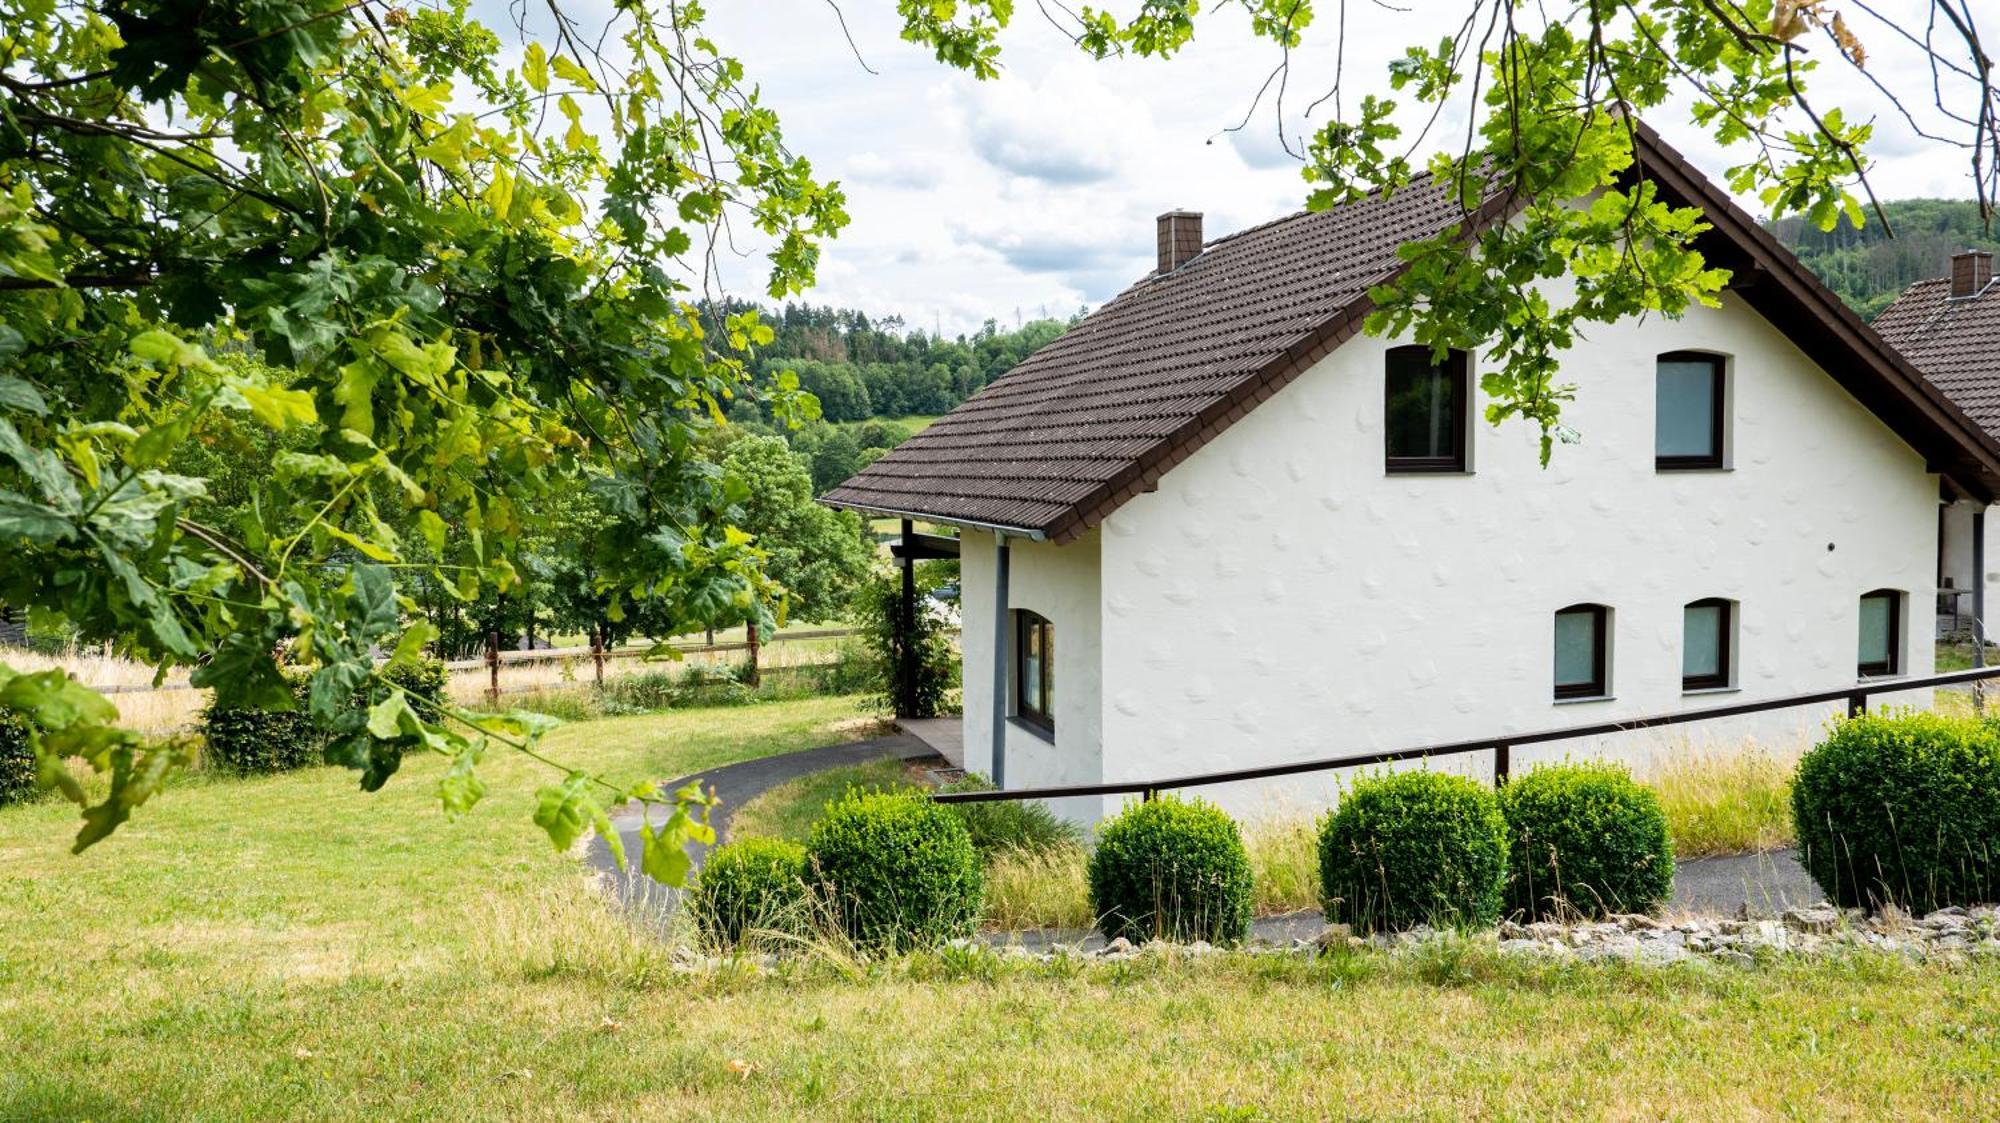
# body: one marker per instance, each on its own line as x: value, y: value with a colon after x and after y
x: 1180, y: 239
x: 1971, y: 271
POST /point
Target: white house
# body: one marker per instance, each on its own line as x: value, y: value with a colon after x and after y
x: 1949, y: 327
x: 1216, y: 526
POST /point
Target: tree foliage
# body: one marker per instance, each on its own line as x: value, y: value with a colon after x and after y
x: 476, y: 279
x: 1551, y: 96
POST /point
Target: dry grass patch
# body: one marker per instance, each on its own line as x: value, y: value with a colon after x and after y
x: 1726, y: 801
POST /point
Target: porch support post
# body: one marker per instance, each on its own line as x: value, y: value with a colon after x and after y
x: 1979, y: 587
x: 1000, y: 652
x: 1978, y: 605
x: 906, y: 626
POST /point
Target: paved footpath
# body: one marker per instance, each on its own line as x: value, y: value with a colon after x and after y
x: 737, y: 784
x: 1762, y: 883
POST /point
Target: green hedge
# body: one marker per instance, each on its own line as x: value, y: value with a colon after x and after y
x: 1588, y: 839
x: 1902, y: 809
x: 425, y: 680
x: 756, y: 884
x: 1414, y: 848
x: 251, y: 741
x: 898, y: 870
x: 1171, y: 869
x: 17, y: 760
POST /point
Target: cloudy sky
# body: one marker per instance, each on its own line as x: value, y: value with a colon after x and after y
x: 1035, y: 193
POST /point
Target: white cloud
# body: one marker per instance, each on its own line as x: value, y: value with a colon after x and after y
x: 970, y: 199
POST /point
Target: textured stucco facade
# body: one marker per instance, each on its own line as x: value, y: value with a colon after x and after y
x: 1281, y: 597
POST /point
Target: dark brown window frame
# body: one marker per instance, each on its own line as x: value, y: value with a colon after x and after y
x: 1455, y: 368
x: 1599, y: 685
x: 1894, y: 663
x: 1718, y: 411
x: 1725, y: 642
x: 1035, y: 712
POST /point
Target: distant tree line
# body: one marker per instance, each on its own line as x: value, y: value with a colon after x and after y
x: 1867, y: 268
x: 866, y: 373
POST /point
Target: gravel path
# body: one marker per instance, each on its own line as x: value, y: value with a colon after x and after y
x: 1764, y: 884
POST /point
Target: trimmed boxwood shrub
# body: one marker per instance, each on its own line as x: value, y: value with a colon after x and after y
x: 1414, y: 848
x: 1172, y: 869
x: 897, y: 869
x: 1902, y: 809
x: 1587, y: 838
x: 244, y: 740
x: 17, y: 760
x: 755, y: 884
x: 425, y: 681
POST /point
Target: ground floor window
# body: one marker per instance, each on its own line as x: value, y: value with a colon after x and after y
x: 1034, y: 669
x: 1881, y: 633
x: 1581, y: 658
x: 1705, y: 643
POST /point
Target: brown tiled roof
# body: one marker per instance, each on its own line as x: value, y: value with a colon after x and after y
x: 1956, y: 343
x: 1097, y: 416
x: 1065, y: 430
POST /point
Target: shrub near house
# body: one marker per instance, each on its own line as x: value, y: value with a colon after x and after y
x: 1414, y: 848
x: 1172, y: 869
x: 1902, y: 809
x: 898, y: 870
x: 756, y: 884
x: 1587, y: 839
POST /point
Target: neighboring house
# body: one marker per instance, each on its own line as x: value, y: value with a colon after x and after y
x: 1949, y: 328
x: 1216, y: 526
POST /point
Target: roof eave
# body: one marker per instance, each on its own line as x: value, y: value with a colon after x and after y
x: 1038, y: 534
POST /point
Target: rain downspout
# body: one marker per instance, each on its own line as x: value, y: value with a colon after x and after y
x: 1000, y: 629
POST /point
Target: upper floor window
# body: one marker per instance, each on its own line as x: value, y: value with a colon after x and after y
x: 1688, y: 411
x: 1881, y: 633
x: 1034, y: 669
x: 1426, y: 411
x: 1583, y: 642
x: 1706, y: 627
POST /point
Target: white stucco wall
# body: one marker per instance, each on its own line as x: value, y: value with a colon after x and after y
x: 1279, y: 597
x: 1061, y: 584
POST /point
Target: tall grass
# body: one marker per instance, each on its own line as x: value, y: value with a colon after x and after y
x: 1028, y: 889
x: 1736, y: 801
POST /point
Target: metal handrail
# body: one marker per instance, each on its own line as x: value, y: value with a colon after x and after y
x: 1856, y: 697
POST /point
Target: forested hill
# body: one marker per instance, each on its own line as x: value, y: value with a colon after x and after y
x: 861, y: 368
x: 1868, y: 268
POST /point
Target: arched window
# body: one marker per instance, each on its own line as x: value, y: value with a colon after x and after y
x: 1707, y: 644
x: 1583, y: 652
x: 1881, y: 649
x: 1425, y: 403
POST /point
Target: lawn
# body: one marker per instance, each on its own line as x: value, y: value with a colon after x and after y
x: 291, y: 948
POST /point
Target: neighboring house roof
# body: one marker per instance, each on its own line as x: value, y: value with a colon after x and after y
x: 1955, y: 342
x: 1081, y: 426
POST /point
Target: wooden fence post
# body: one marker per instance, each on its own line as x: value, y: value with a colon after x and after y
x: 750, y: 633
x: 597, y: 652
x: 1503, y: 763
x: 493, y: 667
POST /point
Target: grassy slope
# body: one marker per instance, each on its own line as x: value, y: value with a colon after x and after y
x: 288, y: 948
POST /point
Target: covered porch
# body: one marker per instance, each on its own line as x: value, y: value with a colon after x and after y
x: 944, y: 735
